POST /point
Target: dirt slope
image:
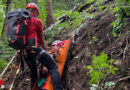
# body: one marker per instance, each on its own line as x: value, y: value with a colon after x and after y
x: 83, y: 47
x: 117, y: 48
x: 74, y: 75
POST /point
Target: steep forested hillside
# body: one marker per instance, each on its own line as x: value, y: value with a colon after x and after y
x: 99, y: 54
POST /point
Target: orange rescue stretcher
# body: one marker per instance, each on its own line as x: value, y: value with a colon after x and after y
x: 61, y: 59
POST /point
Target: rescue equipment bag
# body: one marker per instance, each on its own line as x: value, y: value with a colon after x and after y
x: 17, y: 28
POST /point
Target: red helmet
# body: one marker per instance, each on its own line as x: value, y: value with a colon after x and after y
x: 32, y: 6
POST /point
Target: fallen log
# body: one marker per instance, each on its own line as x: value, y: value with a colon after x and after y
x: 61, y: 19
x: 83, y: 6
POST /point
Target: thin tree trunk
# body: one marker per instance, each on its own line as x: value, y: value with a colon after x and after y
x: 50, y: 17
x: 8, y: 2
x: 26, y: 2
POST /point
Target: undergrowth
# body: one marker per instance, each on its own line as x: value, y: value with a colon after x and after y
x: 6, y: 53
x: 75, y: 19
x: 3, y: 63
x: 122, y: 10
x: 100, y: 68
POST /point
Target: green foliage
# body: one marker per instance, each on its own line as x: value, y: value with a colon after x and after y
x: 3, y: 63
x: 59, y: 5
x: 102, y: 7
x: 87, y: 2
x: 107, y: 85
x: 100, y: 68
x: 99, y: 2
x: 43, y: 11
x: 124, y: 6
x: 75, y: 20
x: 94, y: 39
x: 49, y: 34
x: 122, y: 9
x: 97, y: 5
x: 17, y: 4
x: 115, y: 9
x: 126, y: 10
x: 2, y: 6
x: 6, y: 52
x: 118, y: 24
x: 123, y: 2
x: 60, y: 13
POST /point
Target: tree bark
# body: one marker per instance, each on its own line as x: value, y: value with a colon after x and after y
x: 50, y: 17
x: 8, y: 2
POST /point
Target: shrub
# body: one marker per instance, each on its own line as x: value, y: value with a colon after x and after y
x: 100, y: 68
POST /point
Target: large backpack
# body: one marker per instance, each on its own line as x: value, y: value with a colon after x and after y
x: 17, y: 28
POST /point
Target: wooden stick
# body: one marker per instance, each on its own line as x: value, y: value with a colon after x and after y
x: 124, y: 78
x: 1, y: 75
x: 14, y: 78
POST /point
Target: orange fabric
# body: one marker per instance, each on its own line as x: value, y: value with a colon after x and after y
x: 61, y: 61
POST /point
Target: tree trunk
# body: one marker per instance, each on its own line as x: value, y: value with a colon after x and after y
x: 50, y: 17
x: 8, y: 2
x: 35, y: 1
x: 26, y: 2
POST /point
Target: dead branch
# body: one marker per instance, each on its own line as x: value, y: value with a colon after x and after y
x: 125, y: 49
x: 78, y: 85
x: 1, y: 75
x: 118, y: 54
x: 22, y: 74
x: 108, y: 36
x: 121, y: 79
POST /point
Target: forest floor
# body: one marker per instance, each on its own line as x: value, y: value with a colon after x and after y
x: 75, y: 75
